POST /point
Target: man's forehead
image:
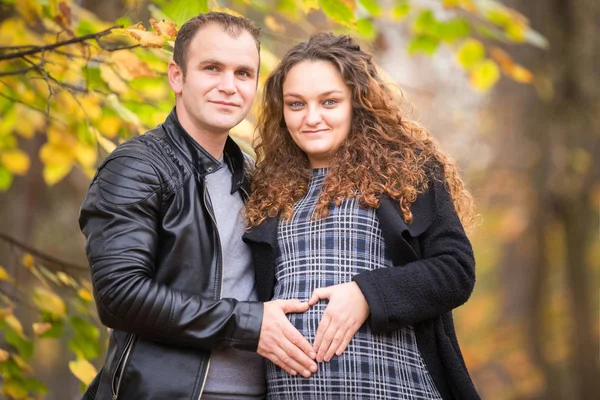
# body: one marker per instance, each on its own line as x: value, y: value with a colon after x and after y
x: 214, y: 37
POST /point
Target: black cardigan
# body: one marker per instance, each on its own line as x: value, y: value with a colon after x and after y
x: 434, y: 273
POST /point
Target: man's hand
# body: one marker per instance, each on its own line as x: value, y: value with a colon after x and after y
x: 281, y: 342
x: 346, y: 312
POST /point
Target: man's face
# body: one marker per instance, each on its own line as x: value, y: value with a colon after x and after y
x: 220, y: 81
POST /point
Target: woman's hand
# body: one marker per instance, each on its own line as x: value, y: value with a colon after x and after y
x: 346, y: 312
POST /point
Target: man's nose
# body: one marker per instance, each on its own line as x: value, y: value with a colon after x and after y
x: 227, y: 83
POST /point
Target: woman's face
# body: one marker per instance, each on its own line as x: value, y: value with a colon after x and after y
x: 317, y: 109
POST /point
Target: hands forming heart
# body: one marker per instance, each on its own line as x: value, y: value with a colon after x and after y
x: 281, y: 342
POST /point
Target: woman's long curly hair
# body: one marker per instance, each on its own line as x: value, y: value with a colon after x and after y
x: 384, y: 154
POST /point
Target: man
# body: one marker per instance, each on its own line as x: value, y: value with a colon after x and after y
x: 163, y: 223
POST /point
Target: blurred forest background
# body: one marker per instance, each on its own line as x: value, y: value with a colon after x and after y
x: 510, y: 89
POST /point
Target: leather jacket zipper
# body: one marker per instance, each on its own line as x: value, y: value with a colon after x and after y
x: 219, y: 262
x: 120, y: 369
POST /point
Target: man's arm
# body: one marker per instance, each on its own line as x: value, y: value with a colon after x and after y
x: 119, y: 218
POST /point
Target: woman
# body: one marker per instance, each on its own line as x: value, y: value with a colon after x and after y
x: 356, y: 209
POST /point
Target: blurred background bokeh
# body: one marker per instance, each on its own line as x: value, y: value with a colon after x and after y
x: 511, y: 90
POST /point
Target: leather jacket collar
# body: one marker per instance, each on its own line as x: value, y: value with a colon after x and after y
x: 200, y: 159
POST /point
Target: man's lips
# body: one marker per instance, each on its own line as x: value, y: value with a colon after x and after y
x: 225, y: 103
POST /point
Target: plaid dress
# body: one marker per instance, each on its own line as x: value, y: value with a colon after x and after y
x: 327, y: 252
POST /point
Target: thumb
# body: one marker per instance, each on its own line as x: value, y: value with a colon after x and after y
x: 319, y: 294
x: 293, y: 306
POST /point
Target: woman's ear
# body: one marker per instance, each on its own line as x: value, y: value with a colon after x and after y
x: 176, y: 77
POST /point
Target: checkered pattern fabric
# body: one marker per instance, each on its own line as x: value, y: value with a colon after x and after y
x: 319, y: 253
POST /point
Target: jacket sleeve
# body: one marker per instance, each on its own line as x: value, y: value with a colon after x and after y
x: 120, y: 219
x: 441, y: 280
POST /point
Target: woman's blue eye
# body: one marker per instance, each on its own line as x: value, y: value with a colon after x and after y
x: 296, y: 104
x: 330, y: 102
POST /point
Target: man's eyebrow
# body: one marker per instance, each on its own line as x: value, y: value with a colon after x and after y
x: 336, y: 91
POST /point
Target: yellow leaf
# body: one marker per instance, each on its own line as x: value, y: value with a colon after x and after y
x: 14, y: 323
x: 484, y: 75
x: 46, y: 300
x: 66, y: 279
x: 83, y: 370
x: 5, y: 311
x: 4, y: 355
x: 85, y: 295
x: 106, y: 144
x: 520, y: 74
x: 90, y: 104
x: 28, y: 261
x: 114, y: 81
x: 54, y: 173
x: 4, y: 276
x: 130, y: 66
x: 57, y: 153
x: 148, y: 39
x: 16, y: 161
x: 14, y: 389
x: 86, y: 155
x: 273, y: 25
x: 109, y: 126
x: 29, y: 9
x: 164, y: 28
x: 21, y: 363
x: 308, y: 5
x: 30, y: 121
x: 470, y: 52
x: 41, y: 327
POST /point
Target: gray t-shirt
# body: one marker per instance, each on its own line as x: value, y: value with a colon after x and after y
x: 233, y: 373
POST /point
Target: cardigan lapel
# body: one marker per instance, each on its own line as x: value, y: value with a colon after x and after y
x: 394, y: 230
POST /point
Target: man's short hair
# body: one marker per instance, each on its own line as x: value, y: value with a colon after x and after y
x: 230, y: 23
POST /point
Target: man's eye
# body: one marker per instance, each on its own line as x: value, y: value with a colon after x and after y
x: 210, y: 68
x: 243, y: 73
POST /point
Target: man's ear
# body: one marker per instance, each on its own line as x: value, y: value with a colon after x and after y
x: 176, y: 77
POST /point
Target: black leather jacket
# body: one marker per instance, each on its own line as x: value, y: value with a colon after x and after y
x: 156, y: 266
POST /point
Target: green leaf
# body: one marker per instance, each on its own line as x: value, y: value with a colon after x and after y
x: 32, y: 385
x: 400, y: 11
x: 470, y: 52
x: 23, y: 346
x: 366, y: 29
x: 425, y: 24
x: 85, y: 343
x: 423, y: 44
x: 338, y: 11
x: 289, y: 8
x: 6, y: 179
x: 372, y: 6
x: 485, y: 74
x: 180, y: 11
x: 452, y: 30
x: 10, y: 369
x: 55, y: 331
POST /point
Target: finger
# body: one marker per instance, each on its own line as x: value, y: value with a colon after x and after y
x: 331, y: 341
x: 319, y: 294
x: 323, y: 325
x: 345, y: 342
x: 300, y: 342
x: 278, y: 361
x: 299, y: 361
x: 293, y: 306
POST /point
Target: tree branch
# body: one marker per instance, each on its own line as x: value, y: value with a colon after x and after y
x: 78, y: 39
x: 41, y: 255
